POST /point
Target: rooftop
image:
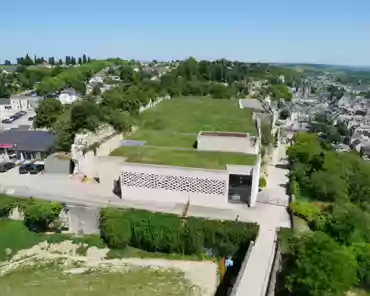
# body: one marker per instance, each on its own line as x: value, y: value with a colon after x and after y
x: 26, y: 140
x: 183, y: 157
x: 168, y: 133
x: 178, y: 121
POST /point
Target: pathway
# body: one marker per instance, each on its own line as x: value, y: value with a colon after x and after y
x: 256, y: 275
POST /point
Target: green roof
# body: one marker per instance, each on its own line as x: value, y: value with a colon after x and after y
x: 185, y: 158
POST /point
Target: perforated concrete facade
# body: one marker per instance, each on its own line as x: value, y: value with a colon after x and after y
x: 174, y: 184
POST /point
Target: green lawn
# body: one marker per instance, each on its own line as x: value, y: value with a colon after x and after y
x: 184, y: 158
x: 195, y: 114
x: 166, y: 139
x: 52, y: 281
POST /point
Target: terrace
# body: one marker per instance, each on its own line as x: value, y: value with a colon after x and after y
x: 168, y: 133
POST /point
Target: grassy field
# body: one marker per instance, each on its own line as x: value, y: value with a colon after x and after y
x: 184, y: 158
x: 50, y: 279
x: 175, y: 124
x: 195, y: 114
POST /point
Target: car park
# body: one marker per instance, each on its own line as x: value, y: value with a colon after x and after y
x: 4, y: 167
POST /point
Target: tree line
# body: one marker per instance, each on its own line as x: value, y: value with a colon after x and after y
x: 27, y: 60
x: 332, y: 192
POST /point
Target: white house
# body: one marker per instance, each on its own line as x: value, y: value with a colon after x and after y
x: 68, y: 96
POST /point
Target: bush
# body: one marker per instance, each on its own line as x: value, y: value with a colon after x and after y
x: 263, y: 182
x: 166, y: 233
x: 39, y: 214
x: 305, y: 210
x: 7, y: 203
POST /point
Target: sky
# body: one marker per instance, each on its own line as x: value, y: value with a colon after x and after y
x: 314, y: 31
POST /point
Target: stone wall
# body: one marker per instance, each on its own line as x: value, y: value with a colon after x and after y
x: 174, y: 185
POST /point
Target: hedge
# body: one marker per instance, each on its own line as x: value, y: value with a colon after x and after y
x: 166, y: 233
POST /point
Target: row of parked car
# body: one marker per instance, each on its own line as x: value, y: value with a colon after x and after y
x: 32, y: 168
x: 14, y: 117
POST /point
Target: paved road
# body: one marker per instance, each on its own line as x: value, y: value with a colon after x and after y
x: 255, y: 278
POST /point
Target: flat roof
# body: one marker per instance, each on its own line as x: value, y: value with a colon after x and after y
x: 184, y: 157
x: 168, y: 132
x: 177, y: 122
x: 26, y: 140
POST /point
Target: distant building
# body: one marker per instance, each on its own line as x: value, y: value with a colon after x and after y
x: 26, y: 144
x: 68, y: 96
x: 23, y: 102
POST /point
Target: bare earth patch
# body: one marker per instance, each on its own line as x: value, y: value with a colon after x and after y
x: 61, y: 268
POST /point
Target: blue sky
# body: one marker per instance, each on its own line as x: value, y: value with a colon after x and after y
x: 317, y: 31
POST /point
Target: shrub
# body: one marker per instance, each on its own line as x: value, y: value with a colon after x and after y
x: 39, y: 214
x: 263, y: 182
x: 166, y: 233
x: 305, y: 210
x: 7, y: 203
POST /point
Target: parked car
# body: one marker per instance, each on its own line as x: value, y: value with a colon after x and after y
x: 25, y: 169
x: 36, y: 168
x: 4, y: 167
x: 31, y: 118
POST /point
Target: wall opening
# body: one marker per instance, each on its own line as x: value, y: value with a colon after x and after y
x: 240, y: 187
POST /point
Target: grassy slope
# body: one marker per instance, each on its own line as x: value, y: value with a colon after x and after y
x: 35, y: 281
x: 191, y: 115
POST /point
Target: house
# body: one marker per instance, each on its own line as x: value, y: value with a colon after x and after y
x: 68, y: 96
x: 23, y: 102
x: 26, y: 144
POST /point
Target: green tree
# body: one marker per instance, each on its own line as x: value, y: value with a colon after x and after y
x: 362, y: 252
x: 84, y: 59
x: 317, y: 266
x: 85, y: 115
x: 47, y: 113
x: 348, y: 223
x: 220, y: 91
x: 64, y: 133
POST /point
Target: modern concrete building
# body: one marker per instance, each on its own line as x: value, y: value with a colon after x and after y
x: 203, y: 187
